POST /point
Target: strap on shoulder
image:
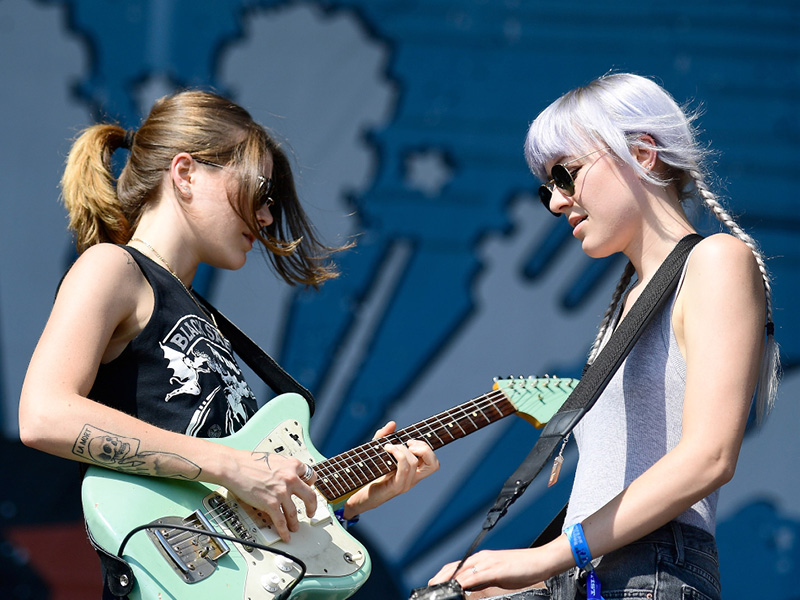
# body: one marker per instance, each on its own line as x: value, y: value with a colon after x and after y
x: 594, y: 381
x: 251, y: 353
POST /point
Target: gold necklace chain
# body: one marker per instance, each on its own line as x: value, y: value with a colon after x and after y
x: 175, y: 275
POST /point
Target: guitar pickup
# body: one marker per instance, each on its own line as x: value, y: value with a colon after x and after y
x: 193, y: 555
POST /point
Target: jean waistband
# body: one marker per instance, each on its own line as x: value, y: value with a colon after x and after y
x: 681, y: 536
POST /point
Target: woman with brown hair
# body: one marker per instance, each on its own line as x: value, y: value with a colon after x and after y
x: 131, y: 372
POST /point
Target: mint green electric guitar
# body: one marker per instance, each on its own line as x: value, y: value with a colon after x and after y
x: 170, y: 562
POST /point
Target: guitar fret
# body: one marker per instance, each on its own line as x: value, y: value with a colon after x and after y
x: 334, y: 485
x: 344, y: 474
x: 366, y: 474
x: 471, y: 422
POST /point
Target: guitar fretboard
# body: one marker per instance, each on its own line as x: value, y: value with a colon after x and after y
x: 345, y: 473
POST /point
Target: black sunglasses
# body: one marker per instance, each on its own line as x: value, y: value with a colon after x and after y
x: 265, y: 185
x: 563, y: 179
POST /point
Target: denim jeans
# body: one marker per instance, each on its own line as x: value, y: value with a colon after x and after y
x: 675, y: 562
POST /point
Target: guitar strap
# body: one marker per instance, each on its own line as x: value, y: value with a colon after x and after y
x: 251, y: 353
x: 595, y: 378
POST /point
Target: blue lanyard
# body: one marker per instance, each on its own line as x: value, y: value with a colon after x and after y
x: 593, y: 587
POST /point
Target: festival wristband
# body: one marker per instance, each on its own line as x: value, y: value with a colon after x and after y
x: 583, y: 558
x: 339, y: 512
x: 577, y: 542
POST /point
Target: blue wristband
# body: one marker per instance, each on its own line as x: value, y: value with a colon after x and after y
x: 339, y: 512
x: 583, y: 558
x: 577, y: 542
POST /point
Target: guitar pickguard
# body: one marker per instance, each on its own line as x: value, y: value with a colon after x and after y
x: 321, y: 544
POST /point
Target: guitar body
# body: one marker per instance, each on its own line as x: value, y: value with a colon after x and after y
x: 170, y: 565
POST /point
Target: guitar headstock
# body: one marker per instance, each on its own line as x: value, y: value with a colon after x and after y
x: 536, y: 398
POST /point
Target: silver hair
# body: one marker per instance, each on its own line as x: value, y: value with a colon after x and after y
x: 617, y: 111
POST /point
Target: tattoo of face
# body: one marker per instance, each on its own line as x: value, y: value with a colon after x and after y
x: 122, y: 454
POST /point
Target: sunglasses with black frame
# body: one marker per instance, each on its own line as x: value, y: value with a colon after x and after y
x: 265, y: 184
x: 563, y: 179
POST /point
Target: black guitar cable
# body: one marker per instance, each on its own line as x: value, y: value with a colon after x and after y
x: 282, y: 596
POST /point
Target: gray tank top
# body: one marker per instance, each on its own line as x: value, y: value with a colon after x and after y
x: 635, y: 422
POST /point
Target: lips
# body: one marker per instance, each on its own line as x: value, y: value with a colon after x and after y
x: 576, y: 220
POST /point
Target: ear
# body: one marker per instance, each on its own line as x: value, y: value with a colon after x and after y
x: 181, y: 172
x: 645, y: 152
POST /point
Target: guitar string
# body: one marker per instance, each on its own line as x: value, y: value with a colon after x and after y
x: 369, y: 450
x: 456, y: 416
x: 430, y: 427
x: 218, y: 517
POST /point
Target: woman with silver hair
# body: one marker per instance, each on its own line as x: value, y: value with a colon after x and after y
x: 620, y: 159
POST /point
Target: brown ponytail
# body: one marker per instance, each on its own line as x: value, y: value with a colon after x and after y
x: 88, y: 190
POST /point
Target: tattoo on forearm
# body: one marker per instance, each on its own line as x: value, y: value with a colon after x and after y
x: 259, y: 456
x: 122, y: 454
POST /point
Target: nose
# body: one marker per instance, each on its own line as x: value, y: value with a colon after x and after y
x: 264, y: 217
x: 559, y: 201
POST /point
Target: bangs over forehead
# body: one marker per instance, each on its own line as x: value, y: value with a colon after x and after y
x: 571, y: 126
x: 614, y: 112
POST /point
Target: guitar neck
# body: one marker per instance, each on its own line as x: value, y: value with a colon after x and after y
x: 343, y: 474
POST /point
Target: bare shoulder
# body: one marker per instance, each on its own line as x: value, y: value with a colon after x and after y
x: 105, y: 275
x: 722, y: 250
x: 722, y: 271
x: 104, y: 265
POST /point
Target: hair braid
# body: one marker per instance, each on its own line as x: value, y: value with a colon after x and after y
x: 622, y: 285
x: 770, y: 363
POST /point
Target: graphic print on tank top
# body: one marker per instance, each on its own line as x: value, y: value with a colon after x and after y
x: 195, y: 350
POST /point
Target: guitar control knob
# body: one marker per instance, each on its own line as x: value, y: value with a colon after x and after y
x: 283, y: 563
x: 271, y: 582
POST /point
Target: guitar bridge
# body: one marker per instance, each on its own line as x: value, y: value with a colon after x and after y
x: 192, y: 555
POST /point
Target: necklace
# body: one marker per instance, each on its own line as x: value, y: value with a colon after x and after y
x: 179, y: 280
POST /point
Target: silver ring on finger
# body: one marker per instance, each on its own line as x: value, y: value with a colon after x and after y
x: 309, y: 473
x: 474, y: 570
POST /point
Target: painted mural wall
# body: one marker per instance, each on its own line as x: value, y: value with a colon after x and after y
x: 406, y: 121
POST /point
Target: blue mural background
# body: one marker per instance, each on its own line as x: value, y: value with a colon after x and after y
x: 406, y: 120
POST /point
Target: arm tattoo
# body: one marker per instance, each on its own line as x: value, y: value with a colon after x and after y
x: 122, y: 454
x: 262, y: 456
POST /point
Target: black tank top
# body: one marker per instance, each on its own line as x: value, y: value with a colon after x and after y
x: 179, y: 373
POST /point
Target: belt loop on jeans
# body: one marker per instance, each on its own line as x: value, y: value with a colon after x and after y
x: 677, y: 533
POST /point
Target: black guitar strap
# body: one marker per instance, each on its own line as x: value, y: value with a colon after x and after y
x: 251, y: 353
x: 595, y: 379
